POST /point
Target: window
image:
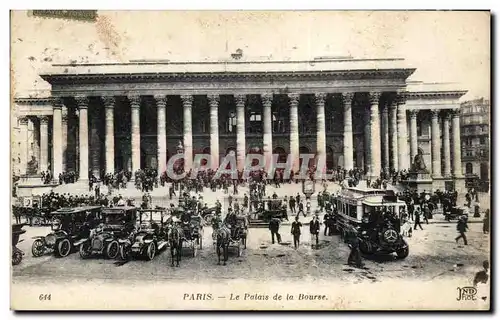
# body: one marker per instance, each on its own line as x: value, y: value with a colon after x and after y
x: 482, y: 140
x: 255, y: 125
x: 469, y: 153
x: 468, y: 168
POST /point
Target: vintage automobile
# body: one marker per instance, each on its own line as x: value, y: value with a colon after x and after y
x: 118, y: 223
x: 277, y: 209
x: 150, y: 238
x: 17, y: 254
x: 68, y: 226
x: 375, y: 215
x: 456, y: 212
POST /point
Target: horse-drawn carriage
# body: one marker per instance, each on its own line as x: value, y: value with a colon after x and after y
x: 235, y: 236
x: 193, y: 234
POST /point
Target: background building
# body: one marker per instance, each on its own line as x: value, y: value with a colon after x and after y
x: 475, y: 130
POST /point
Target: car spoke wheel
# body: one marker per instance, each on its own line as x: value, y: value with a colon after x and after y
x: 37, y: 248
x: 17, y: 257
x: 124, y: 252
x: 112, y: 249
x: 64, y: 248
x: 85, y: 250
x: 151, y: 251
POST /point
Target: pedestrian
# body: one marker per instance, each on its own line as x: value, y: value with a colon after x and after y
x: 326, y: 221
x: 486, y: 221
x: 462, y: 229
x: 292, y: 204
x: 426, y: 213
x: 354, y: 258
x: 417, y: 215
x: 314, y: 230
x: 301, y: 208
x: 274, y: 227
x: 308, y: 207
x: 296, y: 225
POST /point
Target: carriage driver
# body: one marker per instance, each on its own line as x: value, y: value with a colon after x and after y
x: 230, y: 221
x: 185, y: 221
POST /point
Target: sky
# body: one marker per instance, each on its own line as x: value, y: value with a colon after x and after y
x: 445, y: 46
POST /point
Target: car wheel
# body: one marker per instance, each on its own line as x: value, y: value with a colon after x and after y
x: 112, y: 249
x: 151, y: 251
x: 85, y: 250
x: 17, y: 257
x: 37, y: 248
x: 64, y: 248
x: 124, y: 252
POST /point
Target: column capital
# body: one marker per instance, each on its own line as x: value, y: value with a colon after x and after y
x: 135, y: 100
x: 294, y: 98
x: 240, y: 99
x: 109, y: 101
x: 213, y: 100
x: 23, y: 121
x: 413, y: 113
x: 57, y: 103
x: 347, y: 97
x: 447, y: 115
x: 82, y: 101
x: 374, y: 97
x: 320, y: 97
x: 267, y: 99
x: 44, y: 119
x: 161, y: 100
x: 187, y: 100
x: 435, y: 113
x: 455, y: 113
x: 401, y: 98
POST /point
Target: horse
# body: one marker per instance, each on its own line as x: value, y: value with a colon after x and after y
x: 175, y: 239
x: 223, y: 236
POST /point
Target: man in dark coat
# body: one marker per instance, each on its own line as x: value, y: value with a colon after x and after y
x: 301, y: 209
x: 296, y: 225
x: 462, y: 229
x: 354, y: 258
x: 314, y: 230
x: 327, y: 221
x: 274, y: 227
x: 417, y: 215
x: 291, y: 202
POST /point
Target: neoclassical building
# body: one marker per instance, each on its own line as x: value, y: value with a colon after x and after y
x: 356, y: 112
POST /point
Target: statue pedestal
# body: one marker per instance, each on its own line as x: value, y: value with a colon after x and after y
x: 420, y: 181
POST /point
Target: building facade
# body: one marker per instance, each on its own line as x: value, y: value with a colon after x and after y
x: 475, y: 130
x: 355, y: 112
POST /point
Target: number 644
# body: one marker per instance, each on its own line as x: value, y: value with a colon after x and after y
x: 44, y: 297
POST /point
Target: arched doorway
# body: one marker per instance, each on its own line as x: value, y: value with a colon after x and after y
x: 255, y: 150
x: 305, y: 150
x: 468, y: 168
x: 329, y: 158
x: 484, y: 172
x: 282, y: 156
x: 231, y: 154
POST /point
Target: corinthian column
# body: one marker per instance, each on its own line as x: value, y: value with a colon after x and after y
x: 23, y: 139
x: 240, y: 131
x: 348, y: 139
x: 394, y: 135
x: 321, y: 129
x: 44, y: 143
x: 213, y: 100
x: 367, y: 142
x: 436, y: 147
x: 109, y: 105
x: 457, y: 154
x: 402, y: 134
x: 267, y: 100
x: 446, y: 146
x: 187, y: 102
x: 413, y: 135
x: 57, y: 139
x: 294, y: 130
x: 83, y: 136
x: 375, y: 134
x: 135, y: 108
x: 161, y: 103
x: 385, y: 138
x: 64, y: 118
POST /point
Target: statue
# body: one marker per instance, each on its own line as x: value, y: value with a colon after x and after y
x: 32, y: 167
x: 418, y: 164
x: 180, y: 147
